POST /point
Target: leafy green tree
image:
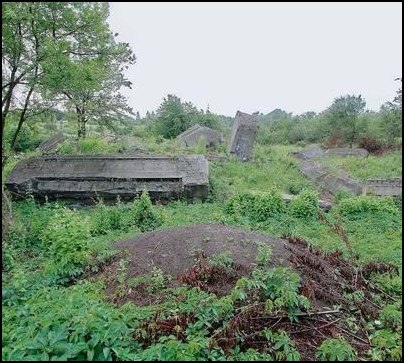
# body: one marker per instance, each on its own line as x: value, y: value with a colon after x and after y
x: 88, y: 74
x: 61, y: 53
x: 174, y: 117
x: 343, y: 116
x: 391, y: 112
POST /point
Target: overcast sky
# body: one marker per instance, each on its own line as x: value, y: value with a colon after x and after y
x: 260, y: 56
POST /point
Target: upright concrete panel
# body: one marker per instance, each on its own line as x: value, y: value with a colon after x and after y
x: 243, y: 135
x: 86, y: 178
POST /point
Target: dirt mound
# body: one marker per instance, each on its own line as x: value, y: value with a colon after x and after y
x: 336, y: 288
x: 174, y: 250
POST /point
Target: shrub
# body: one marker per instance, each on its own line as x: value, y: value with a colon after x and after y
x: 145, y: 217
x: 335, y: 350
x: 372, y: 145
x: 66, y: 238
x: 342, y: 193
x: 257, y: 208
x: 111, y: 218
x: 365, y: 204
x: 305, y: 204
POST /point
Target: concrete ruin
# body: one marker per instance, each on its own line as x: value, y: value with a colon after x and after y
x: 243, y: 135
x: 50, y: 145
x: 88, y: 178
x: 346, y: 151
x: 316, y: 152
x: 383, y: 187
x: 190, y: 138
x: 327, y: 180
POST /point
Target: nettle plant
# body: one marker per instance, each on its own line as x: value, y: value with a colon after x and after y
x: 278, y: 287
x: 257, y: 208
x: 66, y: 238
x: 335, y: 350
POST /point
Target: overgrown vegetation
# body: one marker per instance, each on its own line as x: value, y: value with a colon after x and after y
x: 57, y: 301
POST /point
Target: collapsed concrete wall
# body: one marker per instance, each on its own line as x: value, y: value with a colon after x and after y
x: 87, y: 178
x: 190, y: 138
x: 323, y: 177
x: 316, y: 152
x: 50, y: 145
x: 346, y: 151
x: 243, y: 135
x: 383, y: 186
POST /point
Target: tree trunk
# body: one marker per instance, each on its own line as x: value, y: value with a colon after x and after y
x: 81, y: 123
x: 22, y: 116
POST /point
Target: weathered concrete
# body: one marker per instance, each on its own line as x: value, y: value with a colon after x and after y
x: 383, y: 186
x: 312, y: 152
x: 316, y: 152
x: 50, y: 145
x: 87, y: 178
x: 190, y: 138
x: 243, y: 135
x: 346, y: 151
x: 326, y: 179
x: 323, y: 204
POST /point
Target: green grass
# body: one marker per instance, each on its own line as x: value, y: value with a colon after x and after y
x: 58, y: 320
x: 388, y: 165
x: 271, y: 167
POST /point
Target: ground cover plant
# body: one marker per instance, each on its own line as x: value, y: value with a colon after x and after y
x: 233, y: 291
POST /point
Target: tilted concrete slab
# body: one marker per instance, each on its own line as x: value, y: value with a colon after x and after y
x: 190, y: 138
x: 50, y: 145
x: 243, y: 135
x: 87, y: 178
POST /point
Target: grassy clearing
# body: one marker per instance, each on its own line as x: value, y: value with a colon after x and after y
x: 388, y: 165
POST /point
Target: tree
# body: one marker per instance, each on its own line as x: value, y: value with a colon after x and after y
x: 57, y: 52
x: 392, y: 116
x: 343, y: 116
x: 174, y: 117
x: 89, y: 73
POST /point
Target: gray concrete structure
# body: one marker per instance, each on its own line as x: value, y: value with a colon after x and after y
x: 243, y: 135
x: 87, y: 178
x: 346, y: 151
x: 326, y: 179
x: 50, y: 145
x: 190, y: 138
x: 383, y: 186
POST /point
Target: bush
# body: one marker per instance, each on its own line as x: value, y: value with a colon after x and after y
x: 354, y: 206
x: 145, y: 217
x: 372, y: 145
x: 66, y: 238
x: 105, y: 219
x: 305, y: 205
x: 335, y: 350
x: 257, y: 208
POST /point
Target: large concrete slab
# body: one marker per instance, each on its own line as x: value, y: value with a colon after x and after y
x: 51, y: 145
x: 243, y: 135
x: 190, y: 138
x: 86, y: 178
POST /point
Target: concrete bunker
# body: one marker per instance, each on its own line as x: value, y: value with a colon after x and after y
x: 88, y: 178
